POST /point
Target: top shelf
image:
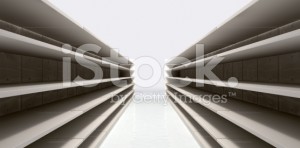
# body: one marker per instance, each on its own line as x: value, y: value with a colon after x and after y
x: 48, y: 20
x: 272, y: 46
x: 248, y: 22
x: 18, y: 44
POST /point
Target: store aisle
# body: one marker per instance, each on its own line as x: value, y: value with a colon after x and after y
x: 150, y: 122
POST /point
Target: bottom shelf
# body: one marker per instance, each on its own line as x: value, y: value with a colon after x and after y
x: 77, y: 131
x: 99, y: 135
x: 224, y: 132
x: 276, y: 128
x: 23, y: 128
x: 201, y: 136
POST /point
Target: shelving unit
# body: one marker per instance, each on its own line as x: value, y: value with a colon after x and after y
x: 21, y: 129
x: 264, y: 57
x: 38, y: 109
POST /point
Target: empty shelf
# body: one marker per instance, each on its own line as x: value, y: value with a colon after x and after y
x: 201, y: 136
x: 192, y: 64
x: 98, y: 136
x: 271, y: 46
x: 48, y: 20
x: 22, y: 128
x: 22, y: 89
x: 18, y: 44
x: 223, y: 131
x: 276, y: 128
x: 75, y: 132
x: 275, y: 89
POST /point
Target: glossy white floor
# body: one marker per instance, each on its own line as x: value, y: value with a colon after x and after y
x: 150, y: 122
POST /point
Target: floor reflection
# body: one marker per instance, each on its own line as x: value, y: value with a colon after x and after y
x: 150, y: 122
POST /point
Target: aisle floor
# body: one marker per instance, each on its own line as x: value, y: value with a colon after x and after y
x: 150, y: 122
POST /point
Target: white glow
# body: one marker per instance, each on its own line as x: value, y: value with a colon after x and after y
x: 157, y: 28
